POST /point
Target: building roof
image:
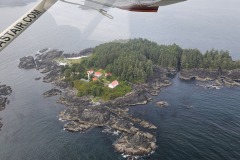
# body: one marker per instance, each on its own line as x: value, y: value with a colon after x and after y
x: 90, y: 71
x: 97, y: 73
x: 95, y: 79
x: 108, y: 74
x: 113, y: 84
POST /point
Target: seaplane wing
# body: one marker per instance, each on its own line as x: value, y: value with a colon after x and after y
x: 135, y: 5
x: 12, y: 32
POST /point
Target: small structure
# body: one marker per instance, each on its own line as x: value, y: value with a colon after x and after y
x: 95, y: 79
x: 90, y: 72
x: 113, y: 84
x: 108, y: 74
x: 98, y: 74
x: 62, y: 64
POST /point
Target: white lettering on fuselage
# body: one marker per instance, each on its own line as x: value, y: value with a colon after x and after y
x: 12, y: 32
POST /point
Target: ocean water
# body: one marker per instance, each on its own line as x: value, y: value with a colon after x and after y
x: 198, y: 123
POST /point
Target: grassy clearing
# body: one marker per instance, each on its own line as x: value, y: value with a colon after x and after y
x: 69, y: 61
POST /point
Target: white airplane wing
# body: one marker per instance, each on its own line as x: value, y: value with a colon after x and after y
x: 12, y: 32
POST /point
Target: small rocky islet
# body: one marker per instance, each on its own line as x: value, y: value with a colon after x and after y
x: 5, y: 92
x: 137, y: 136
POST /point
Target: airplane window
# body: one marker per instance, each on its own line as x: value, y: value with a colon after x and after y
x: 119, y: 79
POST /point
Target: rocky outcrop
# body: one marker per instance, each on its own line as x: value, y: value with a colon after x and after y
x: 38, y: 78
x: 147, y: 125
x: 159, y: 80
x: 52, y: 92
x: 0, y: 125
x: 234, y: 75
x: 133, y: 141
x: 224, y: 78
x: 199, y: 74
x: 27, y: 63
x: 139, y: 143
x: 136, y: 97
x: 3, y: 102
x: 162, y: 103
x: 77, y: 126
x: 5, y: 91
x: 85, y: 52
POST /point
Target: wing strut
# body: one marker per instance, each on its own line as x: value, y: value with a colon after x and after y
x: 102, y: 11
x: 12, y: 32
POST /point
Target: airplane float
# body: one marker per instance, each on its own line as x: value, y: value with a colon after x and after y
x: 13, y: 31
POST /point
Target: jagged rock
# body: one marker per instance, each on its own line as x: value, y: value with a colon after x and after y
x: 140, y: 143
x: 1, y: 125
x: 52, y: 76
x: 162, y: 103
x: 5, y: 90
x: 62, y: 84
x: 27, y: 63
x: 136, y: 97
x: 38, y: 78
x: 225, y: 78
x: 98, y: 117
x: 43, y: 50
x: 52, y: 92
x: 77, y: 127
x: 84, y: 52
x: 3, y: 102
x: 148, y: 125
x: 122, y: 125
x: 199, y: 74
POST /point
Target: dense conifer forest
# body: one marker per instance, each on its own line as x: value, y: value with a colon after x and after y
x: 133, y: 60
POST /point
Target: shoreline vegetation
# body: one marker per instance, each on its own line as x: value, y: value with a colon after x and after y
x: 142, y: 69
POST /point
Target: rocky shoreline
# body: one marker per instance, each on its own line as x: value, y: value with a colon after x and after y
x: 5, y: 92
x: 137, y: 137
x: 83, y: 114
x: 212, y: 78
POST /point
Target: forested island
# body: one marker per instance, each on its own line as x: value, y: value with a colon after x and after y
x: 99, y: 84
